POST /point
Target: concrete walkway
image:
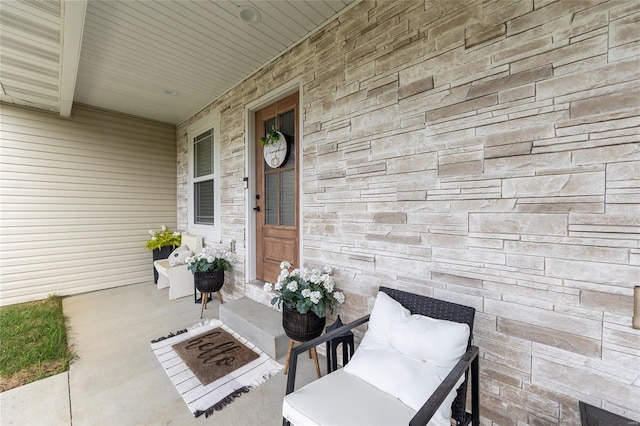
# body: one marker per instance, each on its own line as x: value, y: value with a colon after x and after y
x: 117, y: 379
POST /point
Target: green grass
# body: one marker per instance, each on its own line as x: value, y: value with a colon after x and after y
x: 33, y: 342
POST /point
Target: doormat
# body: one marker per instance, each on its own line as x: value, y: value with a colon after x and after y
x: 213, y: 354
x: 209, y: 383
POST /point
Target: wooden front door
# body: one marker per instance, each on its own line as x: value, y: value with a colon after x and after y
x: 276, y: 203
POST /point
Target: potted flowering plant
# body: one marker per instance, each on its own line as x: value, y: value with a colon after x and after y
x: 209, y: 260
x: 208, y: 268
x: 162, y: 238
x: 160, y: 244
x: 305, y: 296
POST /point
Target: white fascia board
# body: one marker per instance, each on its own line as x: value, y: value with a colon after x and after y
x: 73, y: 12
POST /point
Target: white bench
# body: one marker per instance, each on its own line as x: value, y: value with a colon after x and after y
x: 178, y: 278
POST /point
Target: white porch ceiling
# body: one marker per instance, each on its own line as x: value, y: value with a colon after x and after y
x: 134, y: 51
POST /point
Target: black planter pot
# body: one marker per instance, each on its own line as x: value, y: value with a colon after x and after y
x: 209, y: 282
x: 301, y: 327
x: 161, y: 253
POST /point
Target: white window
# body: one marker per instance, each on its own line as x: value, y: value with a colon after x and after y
x: 204, y: 176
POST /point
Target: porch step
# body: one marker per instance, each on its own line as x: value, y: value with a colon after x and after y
x: 258, y: 323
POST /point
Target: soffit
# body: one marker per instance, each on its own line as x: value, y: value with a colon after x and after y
x: 134, y: 52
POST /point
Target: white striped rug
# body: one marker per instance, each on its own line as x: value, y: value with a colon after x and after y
x: 214, y: 396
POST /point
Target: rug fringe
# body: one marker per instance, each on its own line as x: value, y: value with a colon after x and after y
x: 160, y: 339
x: 223, y: 402
x: 260, y: 380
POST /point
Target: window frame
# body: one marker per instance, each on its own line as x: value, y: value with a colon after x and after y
x: 198, y: 127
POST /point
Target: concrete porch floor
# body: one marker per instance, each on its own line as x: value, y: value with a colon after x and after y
x: 117, y: 379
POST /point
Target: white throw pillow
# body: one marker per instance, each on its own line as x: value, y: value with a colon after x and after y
x: 178, y: 256
x: 439, y: 342
x: 408, y: 356
x: 386, y: 313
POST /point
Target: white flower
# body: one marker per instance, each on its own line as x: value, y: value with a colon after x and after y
x: 176, y: 234
x: 292, y: 286
x: 209, y: 259
x: 278, y: 286
x: 314, y: 276
x: 151, y: 232
x: 187, y: 259
x: 304, y: 274
x: 328, y: 283
x: 306, y: 292
x: 282, y: 278
x: 339, y: 296
x: 285, y: 265
x: 164, y: 228
x: 327, y: 270
x: 315, y: 297
x: 268, y: 287
x: 153, y: 238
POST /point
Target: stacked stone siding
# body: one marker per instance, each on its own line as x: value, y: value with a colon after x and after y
x: 482, y: 152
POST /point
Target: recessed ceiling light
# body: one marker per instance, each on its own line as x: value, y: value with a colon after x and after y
x: 249, y: 14
x: 169, y: 92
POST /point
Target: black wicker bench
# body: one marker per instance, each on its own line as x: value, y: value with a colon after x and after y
x: 467, y: 366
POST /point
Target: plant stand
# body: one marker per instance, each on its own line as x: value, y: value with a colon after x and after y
x: 207, y: 283
x: 197, y: 300
x: 205, y: 298
x: 313, y: 354
x: 301, y: 328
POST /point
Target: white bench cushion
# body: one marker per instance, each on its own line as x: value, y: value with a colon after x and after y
x: 341, y: 399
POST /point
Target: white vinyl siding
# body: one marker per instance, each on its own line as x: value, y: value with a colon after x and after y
x: 77, y: 198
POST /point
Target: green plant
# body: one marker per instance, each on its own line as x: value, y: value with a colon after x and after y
x: 270, y: 138
x: 163, y: 238
x: 208, y: 260
x: 305, y: 290
x: 34, y: 342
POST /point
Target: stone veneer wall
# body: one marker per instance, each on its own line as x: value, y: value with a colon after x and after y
x: 484, y: 153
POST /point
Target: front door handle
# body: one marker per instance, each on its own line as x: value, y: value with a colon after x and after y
x: 257, y: 208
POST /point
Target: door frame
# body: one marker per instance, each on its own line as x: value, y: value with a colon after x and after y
x: 292, y: 86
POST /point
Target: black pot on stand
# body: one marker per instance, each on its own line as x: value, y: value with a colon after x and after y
x: 301, y: 328
x: 208, y: 282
